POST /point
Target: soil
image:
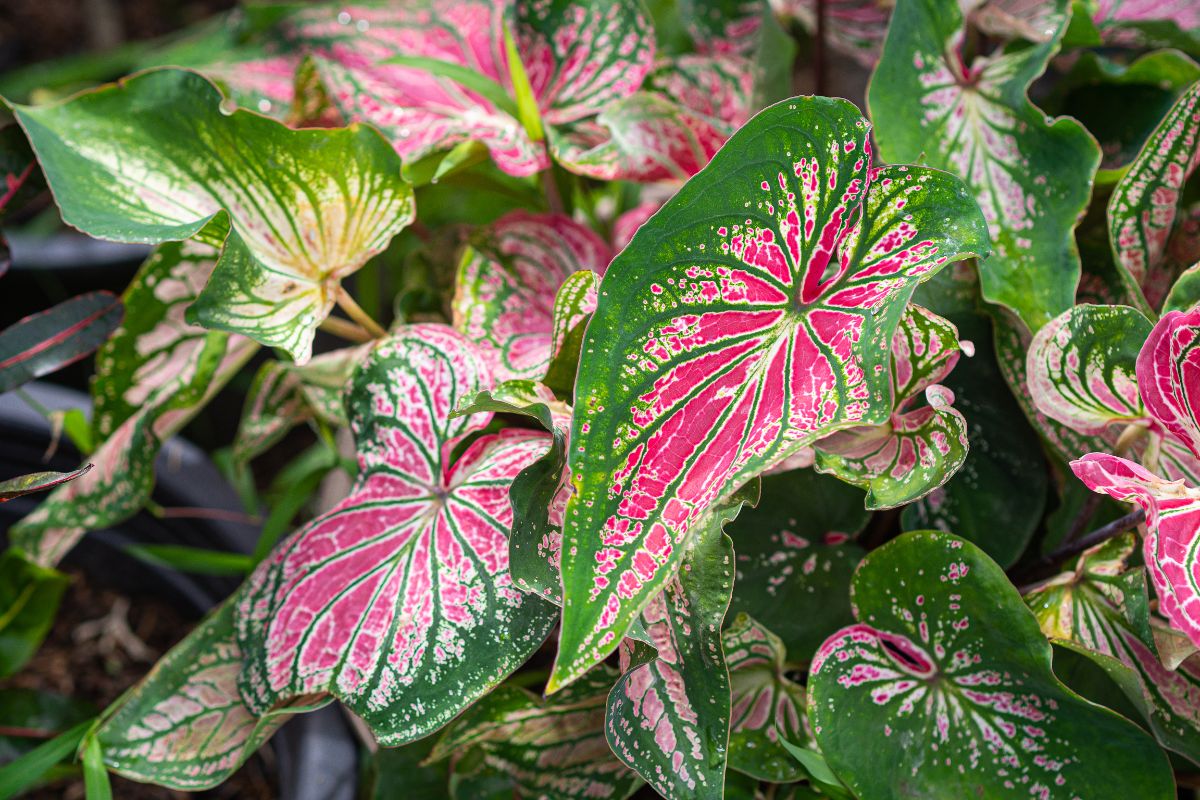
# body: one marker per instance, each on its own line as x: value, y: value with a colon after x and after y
x: 102, y: 643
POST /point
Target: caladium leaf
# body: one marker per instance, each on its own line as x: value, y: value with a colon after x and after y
x: 153, y: 376
x: 854, y: 27
x: 184, y: 725
x: 1081, y: 367
x: 766, y: 706
x: 554, y: 749
x: 1172, y: 519
x: 22, y: 485
x: 49, y: 340
x: 399, y: 601
x: 795, y: 556
x: 719, y: 88
x: 669, y: 716
x: 919, y: 448
x: 508, y: 280
x: 285, y: 395
x: 1143, y: 212
x: 1032, y: 176
x: 1101, y: 611
x: 297, y: 228
x: 1168, y: 374
x: 29, y: 597
x: 750, y: 316
x: 1148, y: 23
x: 573, y: 308
x: 945, y: 686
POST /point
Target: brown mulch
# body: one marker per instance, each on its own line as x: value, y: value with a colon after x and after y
x: 89, y: 655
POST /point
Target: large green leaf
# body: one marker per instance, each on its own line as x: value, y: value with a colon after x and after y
x: 1032, y: 176
x: 750, y: 316
x: 944, y: 688
x: 29, y: 596
x: 184, y: 725
x: 1102, y: 611
x: 307, y: 207
x: 552, y: 749
x: 795, y: 556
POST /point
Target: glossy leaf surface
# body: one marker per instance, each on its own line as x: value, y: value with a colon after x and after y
x: 748, y: 317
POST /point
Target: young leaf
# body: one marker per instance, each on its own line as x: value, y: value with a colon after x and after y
x: 1103, y: 614
x: 1081, y: 367
x: 505, y: 295
x: 399, y: 601
x: 944, y: 687
x: 767, y: 708
x: 29, y: 597
x: 184, y: 726
x: 306, y: 207
x: 1143, y: 212
x: 750, y: 316
x: 1031, y: 175
x: 552, y: 749
x: 795, y: 556
x: 669, y: 716
x: 49, y: 340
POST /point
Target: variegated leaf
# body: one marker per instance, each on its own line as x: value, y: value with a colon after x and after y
x: 1081, y: 367
x: 22, y: 485
x: 297, y: 227
x: 152, y: 377
x: 1168, y: 374
x: 721, y: 88
x: 766, y: 706
x: 573, y: 308
x: 795, y: 555
x: 944, y: 688
x: 551, y: 749
x: 1101, y: 610
x: 1147, y: 23
x: 399, y: 600
x: 919, y: 448
x: 854, y: 27
x: 1143, y: 212
x: 1031, y: 175
x: 49, y: 340
x: 669, y: 714
x: 508, y: 280
x: 285, y: 395
x: 750, y: 316
x: 184, y: 725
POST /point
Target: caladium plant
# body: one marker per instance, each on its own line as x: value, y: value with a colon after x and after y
x: 597, y: 425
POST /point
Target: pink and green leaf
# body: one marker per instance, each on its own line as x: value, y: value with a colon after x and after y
x: 49, y: 340
x: 184, y: 725
x: 296, y: 228
x: 945, y: 687
x: 1081, y: 367
x: 399, y: 600
x: 1168, y: 375
x: 766, y: 707
x: 1144, y: 210
x: 1032, y: 175
x: 506, y: 297
x: 22, y: 485
x: 854, y: 27
x: 548, y: 748
x: 749, y: 317
x: 1102, y: 611
x: 573, y: 308
x: 669, y: 714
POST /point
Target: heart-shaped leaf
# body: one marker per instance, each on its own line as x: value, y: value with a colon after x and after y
x: 669, y: 714
x: 508, y: 280
x: 1101, y: 610
x: 399, y: 601
x: 750, y: 316
x: 795, y: 556
x: 553, y: 749
x: 1143, y: 212
x: 307, y: 207
x: 945, y: 688
x: 1031, y: 175
x: 1081, y: 367
x: 766, y: 706
x: 184, y: 725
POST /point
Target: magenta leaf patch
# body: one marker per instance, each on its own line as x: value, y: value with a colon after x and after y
x: 944, y: 687
x: 750, y: 316
x: 920, y: 447
x: 399, y: 600
x: 506, y: 296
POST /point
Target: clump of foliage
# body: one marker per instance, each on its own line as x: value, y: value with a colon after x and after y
x: 723, y: 442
